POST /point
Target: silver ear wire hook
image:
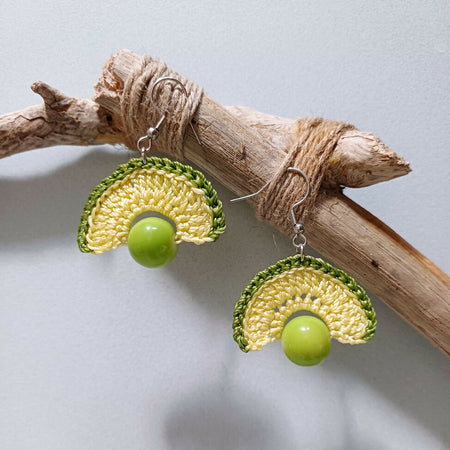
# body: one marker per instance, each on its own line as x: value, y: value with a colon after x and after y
x: 299, y: 240
x: 301, y: 201
x: 295, y: 205
x: 153, y: 132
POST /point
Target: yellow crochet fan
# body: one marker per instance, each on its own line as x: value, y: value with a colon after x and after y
x: 170, y: 188
x: 296, y: 284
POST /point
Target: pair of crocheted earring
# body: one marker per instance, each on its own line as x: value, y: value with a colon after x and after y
x: 174, y: 190
x: 268, y: 307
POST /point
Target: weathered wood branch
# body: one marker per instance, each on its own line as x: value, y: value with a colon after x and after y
x: 360, y: 158
x: 243, y: 148
x: 61, y: 120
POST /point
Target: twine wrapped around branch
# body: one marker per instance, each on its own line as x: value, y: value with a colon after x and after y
x: 245, y: 149
x: 138, y: 112
x: 316, y: 141
x: 311, y: 152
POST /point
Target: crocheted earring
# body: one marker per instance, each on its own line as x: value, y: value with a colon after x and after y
x: 341, y: 308
x: 167, y: 187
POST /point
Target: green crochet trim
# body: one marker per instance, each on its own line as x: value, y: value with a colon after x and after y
x: 290, y: 263
x: 196, y: 178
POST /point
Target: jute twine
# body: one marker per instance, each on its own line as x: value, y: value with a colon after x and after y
x: 315, y: 139
x: 138, y: 112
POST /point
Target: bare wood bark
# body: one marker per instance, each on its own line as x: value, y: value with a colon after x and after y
x: 61, y: 120
x: 360, y: 158
x: 242, y: 148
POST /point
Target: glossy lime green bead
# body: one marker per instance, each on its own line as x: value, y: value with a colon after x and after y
x: 306, y: 340
x: 151, y: 242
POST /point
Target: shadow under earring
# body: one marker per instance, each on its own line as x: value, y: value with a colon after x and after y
x: 160, y: 185
x: 266, y: 310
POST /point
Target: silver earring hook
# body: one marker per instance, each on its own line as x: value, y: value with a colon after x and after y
x: 299, y: 240
x: 295, y: 205
x: 160, y: 80
x: 153, y: 132
x: 301, y: 201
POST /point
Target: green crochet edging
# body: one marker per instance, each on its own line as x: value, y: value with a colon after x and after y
x: 196, y: 178
x: 287, y: 264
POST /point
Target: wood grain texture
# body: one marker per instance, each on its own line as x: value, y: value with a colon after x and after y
x: 61, y: 120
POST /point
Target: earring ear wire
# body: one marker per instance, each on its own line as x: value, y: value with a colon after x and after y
x: 153, y: 132
x: 299, y: 240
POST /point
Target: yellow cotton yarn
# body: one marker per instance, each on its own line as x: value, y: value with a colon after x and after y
x: 149, y: 189
x: 303, y: 288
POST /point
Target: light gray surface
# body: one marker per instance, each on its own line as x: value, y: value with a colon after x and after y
x: 98, y: 353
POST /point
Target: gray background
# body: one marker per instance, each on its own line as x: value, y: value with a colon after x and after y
x: 97, y: 352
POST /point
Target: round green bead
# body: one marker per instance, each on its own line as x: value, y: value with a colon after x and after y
x: 306, y: 340
x: 151, y: 242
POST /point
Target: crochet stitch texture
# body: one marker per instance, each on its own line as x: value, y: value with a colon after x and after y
x: 161, y: 185
x: 293, y: 285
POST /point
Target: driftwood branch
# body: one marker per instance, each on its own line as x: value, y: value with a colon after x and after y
x: 61, y: 120
x: 243, y: 148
